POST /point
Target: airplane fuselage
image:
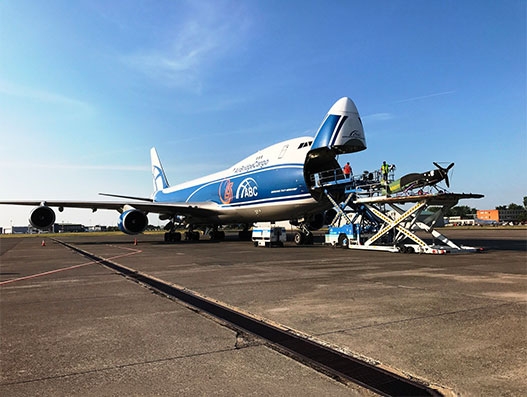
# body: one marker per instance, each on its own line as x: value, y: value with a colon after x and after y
x: 268, y: 185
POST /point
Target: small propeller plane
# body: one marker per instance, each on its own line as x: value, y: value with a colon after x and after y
x: 274, y: 184
x: 416, y: 180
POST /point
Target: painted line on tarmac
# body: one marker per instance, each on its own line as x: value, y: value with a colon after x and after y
x: 63, y: 269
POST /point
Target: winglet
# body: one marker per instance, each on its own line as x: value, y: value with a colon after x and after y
x: 158, y: 174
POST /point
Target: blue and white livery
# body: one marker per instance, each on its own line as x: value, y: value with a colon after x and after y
x: 274, y: 184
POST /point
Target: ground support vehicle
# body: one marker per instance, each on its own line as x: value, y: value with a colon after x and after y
x: 268, y: 235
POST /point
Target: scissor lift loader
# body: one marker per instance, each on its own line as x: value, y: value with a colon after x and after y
x: 370, y: 221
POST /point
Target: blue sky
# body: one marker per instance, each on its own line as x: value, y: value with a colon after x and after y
x: 87, y: 87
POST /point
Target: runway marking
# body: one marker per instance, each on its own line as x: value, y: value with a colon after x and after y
x: 13, y: 280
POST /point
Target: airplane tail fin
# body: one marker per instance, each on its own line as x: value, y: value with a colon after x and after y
x: 158, y: 174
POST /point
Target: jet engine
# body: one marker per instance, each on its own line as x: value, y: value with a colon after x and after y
x: 321, y: 219
x: 132, y: 221
x: 316, y: 221
x: 42, y: 217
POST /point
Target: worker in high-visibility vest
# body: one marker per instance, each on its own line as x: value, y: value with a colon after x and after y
x: 347, y: 170
x: 385, y: 168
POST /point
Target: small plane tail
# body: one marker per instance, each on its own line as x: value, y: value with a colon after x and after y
x: 158, y: 174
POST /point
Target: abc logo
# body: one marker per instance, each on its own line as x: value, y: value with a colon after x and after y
x: 248, y: 188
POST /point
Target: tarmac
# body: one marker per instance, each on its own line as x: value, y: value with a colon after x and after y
x: 69, y: 326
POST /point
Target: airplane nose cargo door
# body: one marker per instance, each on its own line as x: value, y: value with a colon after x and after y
x: 340, y: 132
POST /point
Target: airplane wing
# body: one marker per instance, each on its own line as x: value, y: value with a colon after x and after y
x: 206, y: 209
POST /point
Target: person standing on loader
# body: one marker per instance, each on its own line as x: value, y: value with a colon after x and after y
x: 385, y: 169
x: 347, y: 170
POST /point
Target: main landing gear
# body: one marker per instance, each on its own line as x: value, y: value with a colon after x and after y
x: 245, y: 234
x: 215, y: 234
x: 172, y: 236
x: 303, y: 236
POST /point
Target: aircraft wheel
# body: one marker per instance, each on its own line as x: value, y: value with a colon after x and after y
x: 192, y: 236
x: 218, y: 235
x: 343, y: 240
x: 244, y: 235
x: 299, y: 238
x: 172, y: 237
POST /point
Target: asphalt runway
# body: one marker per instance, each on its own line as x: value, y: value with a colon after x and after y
x: 73, y: 327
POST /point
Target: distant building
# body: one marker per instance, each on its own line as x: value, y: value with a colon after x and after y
x: 488, y: 215
x: 68, y: 228
x: 18, y: 230
x: 96, y: 228
x: 500, y: 215
x: 458, y: 221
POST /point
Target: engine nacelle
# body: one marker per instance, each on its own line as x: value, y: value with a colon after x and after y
x: 329, y: 215
x: 321, y: 219
x: 132, y: 221
x: 316, y: 221
x: 42, y: 217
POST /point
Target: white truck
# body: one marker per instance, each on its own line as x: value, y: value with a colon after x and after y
x: 267, y: 234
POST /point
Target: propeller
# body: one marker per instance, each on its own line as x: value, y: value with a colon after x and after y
x: 444, y: 172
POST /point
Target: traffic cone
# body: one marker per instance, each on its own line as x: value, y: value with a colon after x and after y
x: 43, y: 243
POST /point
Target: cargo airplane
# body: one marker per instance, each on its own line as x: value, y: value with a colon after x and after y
x: 274, y: 184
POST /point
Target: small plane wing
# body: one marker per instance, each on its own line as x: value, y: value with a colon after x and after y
x: 192, y: 210
x: 433, y: 199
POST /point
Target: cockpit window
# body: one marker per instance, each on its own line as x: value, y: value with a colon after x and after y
x: 304, y: 144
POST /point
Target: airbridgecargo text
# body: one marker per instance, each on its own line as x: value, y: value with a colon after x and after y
x: 253, y: 166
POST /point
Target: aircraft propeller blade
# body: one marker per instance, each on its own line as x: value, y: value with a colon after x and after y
x: 444, y: 172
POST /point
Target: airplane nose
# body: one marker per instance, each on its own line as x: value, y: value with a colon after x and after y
x: 343, y: 105
x: 351, y: 135
x: 341, y: 131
